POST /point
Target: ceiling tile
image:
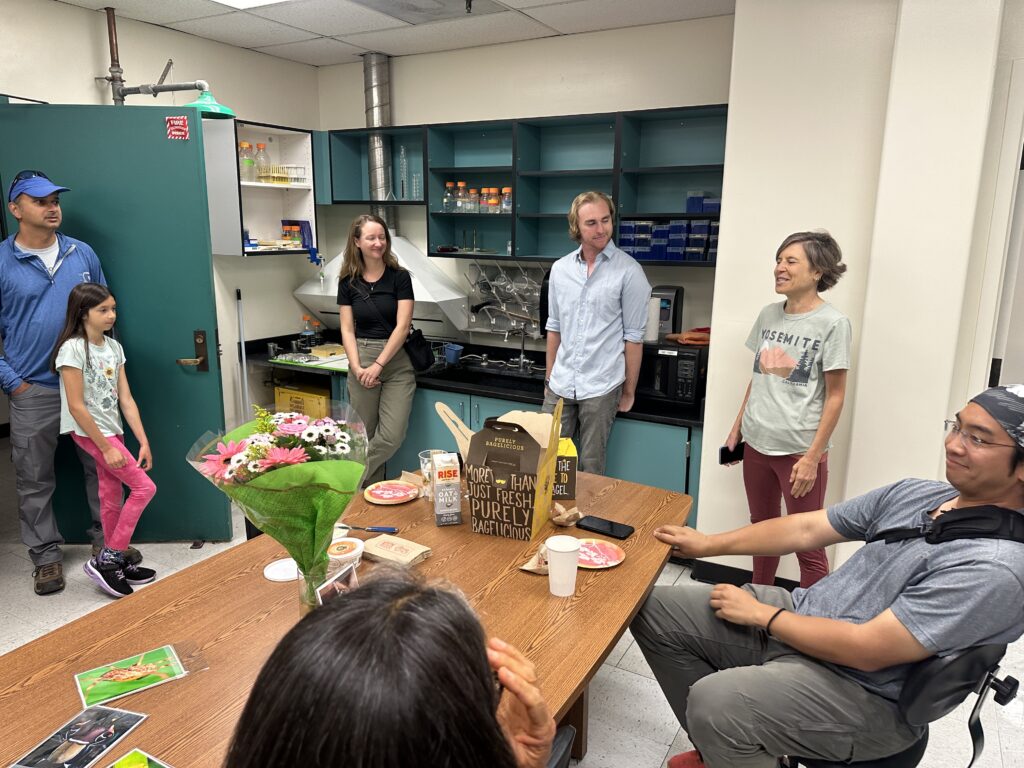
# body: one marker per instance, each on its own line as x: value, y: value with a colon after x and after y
x: 322, y: 52
x: 154, y: 12
x: 329, y: 17
x: 593, y: 15
x: 468, y: 32
x: 427, y: 11
x: 243, y: 30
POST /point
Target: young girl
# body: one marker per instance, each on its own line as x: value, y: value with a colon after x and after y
x: 92, y: 383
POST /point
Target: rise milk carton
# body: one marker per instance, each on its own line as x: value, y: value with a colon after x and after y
x: 446, y: 484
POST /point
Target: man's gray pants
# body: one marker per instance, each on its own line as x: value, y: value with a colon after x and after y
x: 746, y: 699
x: 35, y: 428
x: 594, y: 417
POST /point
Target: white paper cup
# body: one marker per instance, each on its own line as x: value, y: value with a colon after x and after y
x: 563, y: 556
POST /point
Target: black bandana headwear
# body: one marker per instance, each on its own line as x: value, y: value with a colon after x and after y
x: 1005, y: 405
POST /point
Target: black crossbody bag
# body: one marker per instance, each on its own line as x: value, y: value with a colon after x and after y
x: 416, y: 345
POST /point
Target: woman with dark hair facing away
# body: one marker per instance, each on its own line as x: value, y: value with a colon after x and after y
x: 801, y: 352
x: 94, y: 393
x: 375, y: 300
x: 394, y: 674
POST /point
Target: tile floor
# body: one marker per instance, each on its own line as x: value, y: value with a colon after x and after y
x: 631, y: 725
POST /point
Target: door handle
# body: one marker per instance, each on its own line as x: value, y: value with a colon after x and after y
x: 201, y: 360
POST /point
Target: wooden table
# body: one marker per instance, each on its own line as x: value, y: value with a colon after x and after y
x: 224, y: 619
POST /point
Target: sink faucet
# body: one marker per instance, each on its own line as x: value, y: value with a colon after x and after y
x: 521, y: 362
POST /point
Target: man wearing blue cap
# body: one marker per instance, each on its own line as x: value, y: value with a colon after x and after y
x: 757, y: 673
x: 38, y: 268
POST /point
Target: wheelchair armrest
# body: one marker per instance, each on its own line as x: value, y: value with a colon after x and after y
x: 937, y: 685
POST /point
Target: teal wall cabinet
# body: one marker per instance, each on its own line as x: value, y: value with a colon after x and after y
x: 141, y: 203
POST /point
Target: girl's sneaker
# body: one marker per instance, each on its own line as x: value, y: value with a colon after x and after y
x: 108, y: 574
x: 136, y: 574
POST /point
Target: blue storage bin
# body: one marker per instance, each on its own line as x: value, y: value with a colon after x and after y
x: 714, y: 228
x: 674, y: 253
x: 712, y: 254
x: 695, y: 201
x: 693, y: 254
x: 711, y: 205
x: 658, y: 251
x: 700, y: 226
x: 642, y: 227
x: 697, y: 241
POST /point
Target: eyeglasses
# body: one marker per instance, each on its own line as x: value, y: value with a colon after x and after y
x: 972, y: 440
x: 24, y: 175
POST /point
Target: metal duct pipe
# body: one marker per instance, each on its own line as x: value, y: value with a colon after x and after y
x: 156, y: 88
x: 116, y: 81
x: 377, y: 96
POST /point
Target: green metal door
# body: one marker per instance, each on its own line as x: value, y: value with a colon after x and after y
x: 139, y: 199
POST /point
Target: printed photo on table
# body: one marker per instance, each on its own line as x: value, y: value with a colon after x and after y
x: 83, y: 739
x: 343, y: 581
x: 135, y: 673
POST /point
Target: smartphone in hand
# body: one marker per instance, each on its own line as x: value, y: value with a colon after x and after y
x: 725, y: 456
x: 606, y: 527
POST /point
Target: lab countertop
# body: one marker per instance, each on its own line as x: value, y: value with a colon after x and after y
x: 506, y: 385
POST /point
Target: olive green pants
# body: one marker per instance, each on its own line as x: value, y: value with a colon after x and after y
x: 384, y: 408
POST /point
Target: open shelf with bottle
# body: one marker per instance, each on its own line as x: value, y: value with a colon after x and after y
x: 282, y: 188
x: 350, y: 164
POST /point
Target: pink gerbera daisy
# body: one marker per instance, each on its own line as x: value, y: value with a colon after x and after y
x: 216, y: 464
x: 290, y: 429
x: 282, y: 457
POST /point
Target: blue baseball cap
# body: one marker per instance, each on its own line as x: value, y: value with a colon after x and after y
x: 33, y: 184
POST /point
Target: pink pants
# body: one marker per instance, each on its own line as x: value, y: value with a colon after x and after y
x: 766, y: 478
x: 118, y: 520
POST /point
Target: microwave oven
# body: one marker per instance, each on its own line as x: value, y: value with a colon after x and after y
x: 673, y: 372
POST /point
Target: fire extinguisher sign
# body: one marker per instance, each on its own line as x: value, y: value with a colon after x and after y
x: 177, y: 127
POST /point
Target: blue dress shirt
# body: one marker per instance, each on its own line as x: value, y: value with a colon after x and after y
x: 595, y: 315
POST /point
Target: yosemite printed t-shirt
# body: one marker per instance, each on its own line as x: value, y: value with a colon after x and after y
x: 100, y: 382
x: 787, y: 392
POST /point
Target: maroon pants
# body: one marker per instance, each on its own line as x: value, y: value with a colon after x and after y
x: 766, y: 479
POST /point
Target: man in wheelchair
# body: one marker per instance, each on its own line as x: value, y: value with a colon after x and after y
x: 755, y: 673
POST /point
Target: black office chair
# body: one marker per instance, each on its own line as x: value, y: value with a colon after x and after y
x: 934, y: 688
x: 561, y: 747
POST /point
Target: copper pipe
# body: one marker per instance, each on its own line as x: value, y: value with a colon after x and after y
x: 116, y: 81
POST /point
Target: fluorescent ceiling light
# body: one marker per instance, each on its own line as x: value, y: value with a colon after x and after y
x: 243, y: 4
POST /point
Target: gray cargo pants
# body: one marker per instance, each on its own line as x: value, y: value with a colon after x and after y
x: 594, y: 417
x: 35, y: 427
x: 385, y: 408
x: 746, y: 699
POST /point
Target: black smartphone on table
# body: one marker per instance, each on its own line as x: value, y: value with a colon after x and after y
x: 606, y: 527
x: 725, y: 456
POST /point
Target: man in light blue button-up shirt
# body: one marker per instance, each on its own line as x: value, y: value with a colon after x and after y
x: 597, y: 311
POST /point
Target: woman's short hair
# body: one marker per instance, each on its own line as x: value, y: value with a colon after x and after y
x: 393, y: 674
x: 582, y: 199
x: 823, y: 254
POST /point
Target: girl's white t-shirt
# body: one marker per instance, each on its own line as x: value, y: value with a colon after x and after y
x: 100, y: 380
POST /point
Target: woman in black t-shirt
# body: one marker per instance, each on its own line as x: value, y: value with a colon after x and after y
x: 375, y: 300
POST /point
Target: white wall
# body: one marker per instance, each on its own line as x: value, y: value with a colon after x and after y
x: 806, y: 115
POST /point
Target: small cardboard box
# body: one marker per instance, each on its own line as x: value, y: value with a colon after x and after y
x: 565, y: 470
x: 313, y: 402
x: 510, y: 472
x: 447, y: 488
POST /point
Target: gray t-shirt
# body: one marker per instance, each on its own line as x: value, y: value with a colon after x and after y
x: 100, y: 382
x: 787, y: 391
x: 950, y: 596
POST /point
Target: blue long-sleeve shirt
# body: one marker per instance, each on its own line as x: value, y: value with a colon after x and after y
x: 33, y: 305
x: 595, y: 315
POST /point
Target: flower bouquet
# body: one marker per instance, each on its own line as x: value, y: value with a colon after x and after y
x: 293, y: 476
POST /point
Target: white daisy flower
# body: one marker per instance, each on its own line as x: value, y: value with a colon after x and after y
x: 253, y: 466
x: 238, y: 460
x: 229, y: 474
x: 320, y: 449
x: 310, y: 434
x: 327, y: 431
x: 340, y: 449
x: 344, y: 436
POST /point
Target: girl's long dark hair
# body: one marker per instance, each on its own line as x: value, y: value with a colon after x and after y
x: 83, y: 297
x: 393, y: 674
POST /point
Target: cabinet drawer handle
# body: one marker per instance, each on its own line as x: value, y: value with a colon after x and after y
x: 462, y: 411
x: 476, y: 411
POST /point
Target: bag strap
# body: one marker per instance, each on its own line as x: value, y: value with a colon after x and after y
x: 983, y: 522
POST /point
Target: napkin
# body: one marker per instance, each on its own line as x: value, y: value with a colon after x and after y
x: 539, y: 562
x: 395, y: 550
x: 415, y: 478
x: 565, y: 517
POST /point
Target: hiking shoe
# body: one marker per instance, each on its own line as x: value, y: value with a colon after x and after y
x: 133, y: 555
x: 135, y: 574
x: 109, y: 576
x: 49, y: 578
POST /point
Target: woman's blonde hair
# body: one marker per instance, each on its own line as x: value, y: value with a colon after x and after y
x: 582, y: 199
x: 352, y: 264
